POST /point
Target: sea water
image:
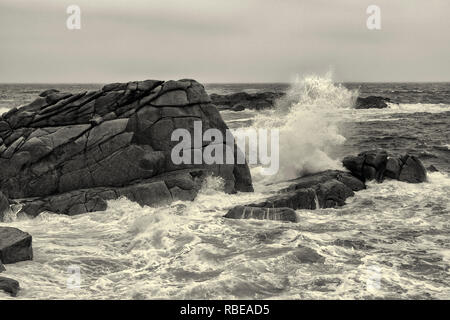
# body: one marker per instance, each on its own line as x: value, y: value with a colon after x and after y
x: 391, y: 240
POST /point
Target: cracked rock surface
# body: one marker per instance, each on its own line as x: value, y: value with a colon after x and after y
x: 70, y: 153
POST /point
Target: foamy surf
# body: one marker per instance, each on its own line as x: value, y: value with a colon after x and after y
x: 187, y: 250
x: 308, y: 118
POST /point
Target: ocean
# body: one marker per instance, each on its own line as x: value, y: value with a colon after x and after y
x: 390, y: 241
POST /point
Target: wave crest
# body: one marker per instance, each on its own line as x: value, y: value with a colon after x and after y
x: 307, y: 118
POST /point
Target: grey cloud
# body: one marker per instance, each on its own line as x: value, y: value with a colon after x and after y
x: 223, y: 40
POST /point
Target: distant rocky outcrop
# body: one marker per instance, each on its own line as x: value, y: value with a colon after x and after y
x: 70, y: 153
x: 264, y: 100
x: 243, y: 100
x: 331, y: 188
x: 371, y: 102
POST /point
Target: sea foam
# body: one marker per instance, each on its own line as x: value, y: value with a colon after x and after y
x: 308, y: 118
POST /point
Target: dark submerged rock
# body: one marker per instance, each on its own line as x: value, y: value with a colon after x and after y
x: 355, y: 244
x: 15, y: 245
x: 371, y: 102
x: 243, y: 100
x: 70, y: 153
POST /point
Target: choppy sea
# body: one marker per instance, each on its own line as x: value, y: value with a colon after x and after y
x: 390, y: 241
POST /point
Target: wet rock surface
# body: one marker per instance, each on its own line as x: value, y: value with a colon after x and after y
x: 326, y: 189
x: 248, y: 212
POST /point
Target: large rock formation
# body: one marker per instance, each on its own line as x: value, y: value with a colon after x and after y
x: 69, y: 153
x: 243, y: 100
x: 15, y: 245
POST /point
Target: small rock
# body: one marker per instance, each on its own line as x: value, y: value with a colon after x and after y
x: 352, y: 182
x: 413, y: 171
x: 15, y: 245
x: 333, y: 193
x: 354, y: 164
x: 375, y: 158
x: 10, y: 286
x: 369, y: 172
x: 371, y: 102
x: 432, y: 168
x: 238, y: 107
x: 393, y: 167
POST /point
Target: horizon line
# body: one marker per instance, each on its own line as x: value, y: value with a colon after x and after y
x: 221, y: 83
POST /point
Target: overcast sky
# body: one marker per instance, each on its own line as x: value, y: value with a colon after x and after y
x: 223, y: 40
